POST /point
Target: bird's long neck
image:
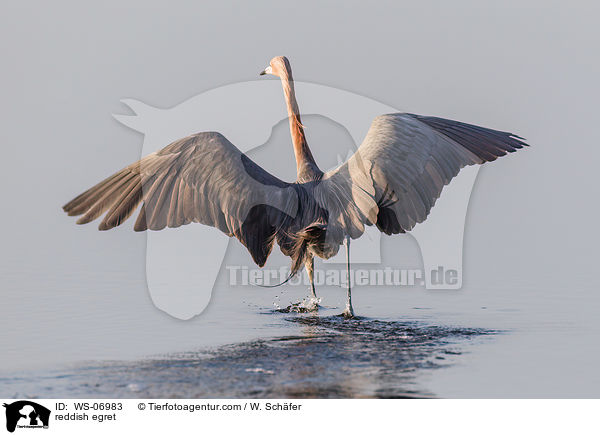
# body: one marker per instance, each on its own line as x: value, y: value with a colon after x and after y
x: 306, y: 167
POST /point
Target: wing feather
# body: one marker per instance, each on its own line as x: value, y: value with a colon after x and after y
x: 124, y: 206
x: 202, y: 178
x: 406, y: 161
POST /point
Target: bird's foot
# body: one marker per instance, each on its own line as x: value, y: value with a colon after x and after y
x: 348, y: 313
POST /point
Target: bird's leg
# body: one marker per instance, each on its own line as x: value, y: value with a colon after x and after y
x: 349, y: 311
x: 310, y: 268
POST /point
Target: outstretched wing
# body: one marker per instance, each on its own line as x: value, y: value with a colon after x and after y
x: 400, y: 169
x: 201, y: 178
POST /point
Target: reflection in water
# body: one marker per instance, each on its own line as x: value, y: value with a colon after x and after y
x: 332, y: 358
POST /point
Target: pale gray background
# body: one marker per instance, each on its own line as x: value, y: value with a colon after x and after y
x: 531, y: 241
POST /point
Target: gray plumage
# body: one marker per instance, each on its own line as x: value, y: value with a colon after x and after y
x: 202, y: 178
x: 398, y: 172
x: 392, y: 181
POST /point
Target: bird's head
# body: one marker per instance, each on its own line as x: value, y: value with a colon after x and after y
x: 279, y: 66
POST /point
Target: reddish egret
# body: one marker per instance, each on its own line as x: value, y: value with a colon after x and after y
x: 392, y: 181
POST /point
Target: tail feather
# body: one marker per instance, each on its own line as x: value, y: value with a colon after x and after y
x: 311, y: 235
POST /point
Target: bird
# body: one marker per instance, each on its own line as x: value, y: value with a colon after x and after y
x: 392, y: 181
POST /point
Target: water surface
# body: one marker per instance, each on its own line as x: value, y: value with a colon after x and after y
x: 327, y: 357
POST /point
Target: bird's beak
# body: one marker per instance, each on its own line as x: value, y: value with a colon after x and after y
x: 267, y: 70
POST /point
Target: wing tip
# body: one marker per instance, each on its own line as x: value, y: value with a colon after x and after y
x: 83, y: 220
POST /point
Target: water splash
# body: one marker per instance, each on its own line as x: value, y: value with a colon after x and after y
x: 306, y: 305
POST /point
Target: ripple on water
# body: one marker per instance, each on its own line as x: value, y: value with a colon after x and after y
x: 330, y: 358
